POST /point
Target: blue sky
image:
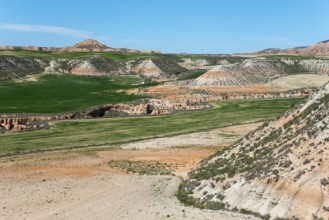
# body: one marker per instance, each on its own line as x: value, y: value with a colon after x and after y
x: 193, y: 26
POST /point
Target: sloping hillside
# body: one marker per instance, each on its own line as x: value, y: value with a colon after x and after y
x: 250, y: 71
x: 281, y: 169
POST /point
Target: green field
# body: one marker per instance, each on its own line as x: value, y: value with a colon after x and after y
x: 55, y: 93
x: 100, y: 132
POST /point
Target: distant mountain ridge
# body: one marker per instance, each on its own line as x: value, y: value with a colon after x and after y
x: 88, y: 45
x: 318, y: 49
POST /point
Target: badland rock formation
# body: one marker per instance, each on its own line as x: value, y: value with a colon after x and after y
x: 280, y: 169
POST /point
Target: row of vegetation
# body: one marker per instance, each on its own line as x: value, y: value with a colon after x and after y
x: 141, y: 167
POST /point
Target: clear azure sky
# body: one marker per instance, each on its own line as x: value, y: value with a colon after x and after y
x: 193, y: 26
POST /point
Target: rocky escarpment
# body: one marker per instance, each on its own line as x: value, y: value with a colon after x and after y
x: 279, y: 170
x: 31, y: 122
x: 23, y: 122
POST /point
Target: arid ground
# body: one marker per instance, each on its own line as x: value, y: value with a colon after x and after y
x: 80, y: 184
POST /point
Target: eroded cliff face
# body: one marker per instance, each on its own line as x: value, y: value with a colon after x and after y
x: 280, y: 169
x: 22, y: 122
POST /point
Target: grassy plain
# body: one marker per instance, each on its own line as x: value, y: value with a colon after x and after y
x: 107, y: 132
x: 53, y: 93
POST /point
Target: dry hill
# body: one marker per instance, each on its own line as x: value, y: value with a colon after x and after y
x: 90, y: 44
x: 280, y: 169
